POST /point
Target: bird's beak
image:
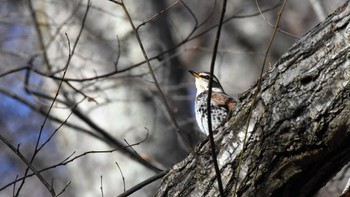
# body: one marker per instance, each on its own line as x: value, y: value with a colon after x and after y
x: 194, y: 73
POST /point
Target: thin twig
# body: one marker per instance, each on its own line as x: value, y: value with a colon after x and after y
x: 14, y: 185
x: 15, y: 70
x: 60, y: 126
x: 212, y: 66
x: 64, y: 189
x: 121, y: 174
x: 101, y: 187
x: 29, y: 165
x: 144, y: 183
x: 256, y: 94
x: 118, y: 55
x: 116, y: 2
x: 158, y: 14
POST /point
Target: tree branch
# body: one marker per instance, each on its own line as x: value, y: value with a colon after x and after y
x: 298, y: 136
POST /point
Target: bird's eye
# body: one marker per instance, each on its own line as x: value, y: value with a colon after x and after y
x: 206, y: 77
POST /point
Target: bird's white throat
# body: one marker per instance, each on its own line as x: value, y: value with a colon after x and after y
x: 202, y: 86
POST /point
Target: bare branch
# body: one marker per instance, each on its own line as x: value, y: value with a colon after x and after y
x: 144, y: 183
x: 158, y: 14
x: 121, y: 174
x: 64, y: 189
x: 29, y: 165
x: 101, y: 187
x: 210, y: 130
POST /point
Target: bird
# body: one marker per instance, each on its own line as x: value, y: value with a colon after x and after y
x: 221, y: 103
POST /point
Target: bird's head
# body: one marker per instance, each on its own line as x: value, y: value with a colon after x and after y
x: 202, y: 82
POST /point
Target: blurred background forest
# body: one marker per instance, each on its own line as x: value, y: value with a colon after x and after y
x: 78, y: 99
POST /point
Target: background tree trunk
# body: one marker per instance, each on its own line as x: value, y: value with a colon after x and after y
x: 298, y: 135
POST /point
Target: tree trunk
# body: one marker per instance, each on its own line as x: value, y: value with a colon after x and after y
x: 298, y: 136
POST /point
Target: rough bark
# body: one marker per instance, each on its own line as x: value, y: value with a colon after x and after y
x: 298, y: 136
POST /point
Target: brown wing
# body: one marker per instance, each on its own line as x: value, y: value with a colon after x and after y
x: 223, y: 100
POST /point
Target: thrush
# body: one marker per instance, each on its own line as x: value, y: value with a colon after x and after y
x: 221, y: 103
